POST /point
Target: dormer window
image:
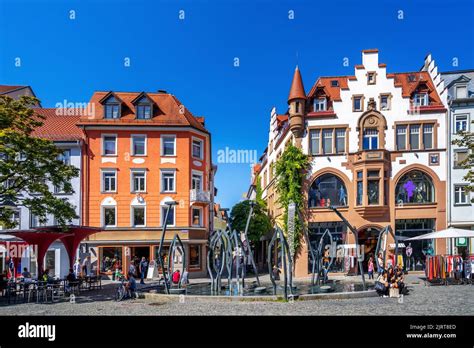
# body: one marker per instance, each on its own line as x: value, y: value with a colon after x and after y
x: 461, y: 92
x: 420, y: 99
x: 112, y: 108
x: 320, y: 104
x: 144, y: 109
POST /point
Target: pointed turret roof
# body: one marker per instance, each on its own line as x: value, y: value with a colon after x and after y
x: 297, y: 88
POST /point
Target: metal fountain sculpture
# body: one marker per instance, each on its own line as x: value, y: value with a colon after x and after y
x: 356, y: 236
x: 382, y: 245
x: 321, y: 253
x: 279, y: 241
x: 175, y: 246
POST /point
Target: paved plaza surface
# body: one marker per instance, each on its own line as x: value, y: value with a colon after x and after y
x: 422, y: 300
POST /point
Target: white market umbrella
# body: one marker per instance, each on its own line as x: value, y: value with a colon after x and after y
x: 447, y: 233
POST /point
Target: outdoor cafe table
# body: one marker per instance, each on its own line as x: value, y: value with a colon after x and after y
x: 21, y: 289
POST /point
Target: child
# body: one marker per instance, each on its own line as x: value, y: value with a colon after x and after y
x: 371, y: 268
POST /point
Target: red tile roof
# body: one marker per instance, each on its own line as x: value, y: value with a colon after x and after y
x: 57, y: 127
x: 334, y: 93
x: 167, y: 111
x: 6, y: 89
x: 297, y: 88
x: 400, y: 80
x: 421, y: 77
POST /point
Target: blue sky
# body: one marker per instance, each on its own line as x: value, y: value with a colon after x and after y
x: 194, y: 58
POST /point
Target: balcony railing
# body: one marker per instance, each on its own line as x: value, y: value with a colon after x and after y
x: 200, y: 196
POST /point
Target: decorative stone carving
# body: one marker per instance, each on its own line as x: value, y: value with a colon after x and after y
x: 371, y: 104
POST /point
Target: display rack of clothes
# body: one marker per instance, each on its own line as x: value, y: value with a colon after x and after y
x: 442, y: 267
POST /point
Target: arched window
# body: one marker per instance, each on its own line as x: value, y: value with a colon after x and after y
x: 414, y: 187
x: 327, y: 190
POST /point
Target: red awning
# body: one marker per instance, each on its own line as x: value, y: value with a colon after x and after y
x: 43, y: 237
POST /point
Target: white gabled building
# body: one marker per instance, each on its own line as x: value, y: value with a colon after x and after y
x: 377, y: 143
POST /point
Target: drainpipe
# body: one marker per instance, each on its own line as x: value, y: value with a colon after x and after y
x: 449, y: 184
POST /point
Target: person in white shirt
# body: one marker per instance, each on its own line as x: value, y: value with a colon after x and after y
x: 77, y: 268
x: 86, y: 266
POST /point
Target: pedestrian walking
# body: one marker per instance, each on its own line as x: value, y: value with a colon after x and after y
x: 143, y: 268
x: 371, y: 267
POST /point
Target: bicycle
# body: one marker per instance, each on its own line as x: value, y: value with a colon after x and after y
x: 121, y: 291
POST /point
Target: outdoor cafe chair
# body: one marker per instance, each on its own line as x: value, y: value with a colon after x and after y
x: 12, y: 292
x: 41, y: 292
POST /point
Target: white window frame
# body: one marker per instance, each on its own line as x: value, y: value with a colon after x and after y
x: 421, y: 99
x: 320, y: 104
x: 102, y: 213
x: 338, y: 136
x: 163, y: 214
x: 403, y: 127
x: 201, y: 175
x: 466, y: 121
x: 167, y: 170
x: 317, y: 135
x: 102, y: 179
x: 388, y: 102
x: 462, y: 188
x: 132, y: 142
x: 162, y: 147
x: 201, y: 217
x: 103, y: 144
x: 430, y: 132
x: 370, y: 133
x: 419, y: 133
x: 132, y: 179
x: 201, y: 152
x: 132, y: 215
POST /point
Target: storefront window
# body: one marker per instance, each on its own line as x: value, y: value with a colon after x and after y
x: 110, y: 259
x: 327, y: 190
x: 194, y: 256
x: 413, y: 253
x: 414, y: 187
x: 339, y: 232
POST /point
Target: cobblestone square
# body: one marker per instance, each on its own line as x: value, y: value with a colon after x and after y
x: 422, y: 300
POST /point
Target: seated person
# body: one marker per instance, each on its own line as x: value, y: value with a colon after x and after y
x: 399, y: 280
x: 26, y: 275
x: 382, y: 284
x: 131, y: 285
x: 71, y: 276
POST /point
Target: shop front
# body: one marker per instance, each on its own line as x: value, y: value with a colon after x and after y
x: 338, y: 233
x: 111, y: 257
x: 414, y: 252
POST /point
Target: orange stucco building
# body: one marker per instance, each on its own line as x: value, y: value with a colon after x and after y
x: 144, y: 149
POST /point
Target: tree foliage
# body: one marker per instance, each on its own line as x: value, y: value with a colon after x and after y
x: 260, y: 223
x: 290, y: 171
x: 466, y: 140
x: 28, y: 164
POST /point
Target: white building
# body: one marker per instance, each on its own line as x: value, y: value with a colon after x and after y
x: 63, y: 131
x: 377, y: 144
x: 460, y: 87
